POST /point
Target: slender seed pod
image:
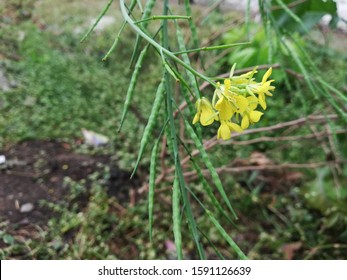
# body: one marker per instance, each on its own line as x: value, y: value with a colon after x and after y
x: 221, y: 230
x: 191, y: 24
x: 152, y: 120
x: 148, y: 10
x: 132, y: 85
x: 172, y: 134
x: 152, y: 175
x: 176, y: 218
x: 209, y: 191
x: 226, y: 236
x: 209, y: 166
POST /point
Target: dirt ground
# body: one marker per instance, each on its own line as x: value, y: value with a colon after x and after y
x: 35, y: 170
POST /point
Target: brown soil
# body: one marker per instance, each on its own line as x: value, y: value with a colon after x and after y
x: 35, y: 170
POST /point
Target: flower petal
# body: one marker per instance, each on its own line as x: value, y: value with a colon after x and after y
x: 207, y: 117
x: 245, y: 122
x: 198, y: 104
x: 266, y: 87
x: 204, y: 112
x: 224, y: 131
x: 261, y: 99
x: 234, y: 127
x: 227, y: 84
x: 250, y: 73
x: 252, y: 102
x: 255, y: 116
x: 266, y: 75
x: 241, y: 103
x: 225, y: 109
x: 207, y: 114
x: 196, y: 118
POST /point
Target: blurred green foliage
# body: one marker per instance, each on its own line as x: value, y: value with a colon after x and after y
x: 61, y: 86
x: 309, y: 12
x: 57, y: 95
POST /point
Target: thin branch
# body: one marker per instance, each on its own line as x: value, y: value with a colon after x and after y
x: 226, y: 169
x: 289, y: 5
x: 214, y: 141
x: 208, y: 11
x: 214, y: 36
x: 318, y: 136
x: 298, y: 122
x: 316, y: 249
x: 335, y: 169
x: 216, y: 58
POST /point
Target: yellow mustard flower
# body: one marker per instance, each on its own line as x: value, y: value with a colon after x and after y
x: 251, y: 116
x: 244, y: 78
x: 224, y: 108
x: 226, y: 128
x: 264, y: 88
x: 241, y: 103
x: 204, y: 112
x: 229, y: 102
x: 218, y: 93
x: 237, y: 96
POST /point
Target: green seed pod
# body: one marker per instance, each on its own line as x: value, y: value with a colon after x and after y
x: 152, y: 120
x: 132, y: 85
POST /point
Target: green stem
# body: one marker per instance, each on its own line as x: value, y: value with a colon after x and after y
x: 212, y: 48
x: 115, y: 42
x: 103, y: 12
x: 162, y: 17
x: 172, y: 134
x: 159, y: 47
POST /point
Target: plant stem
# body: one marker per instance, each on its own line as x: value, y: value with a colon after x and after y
x: 162, y: 17
x: 158, y: 46
x: 212, y: 48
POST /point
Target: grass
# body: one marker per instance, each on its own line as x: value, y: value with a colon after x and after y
x: 62, y: 87
x: 100, y: 228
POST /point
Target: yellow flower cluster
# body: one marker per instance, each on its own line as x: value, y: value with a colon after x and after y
x: 237, y: 98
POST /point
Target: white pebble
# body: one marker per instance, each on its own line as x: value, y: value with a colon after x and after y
x: 26, y: 207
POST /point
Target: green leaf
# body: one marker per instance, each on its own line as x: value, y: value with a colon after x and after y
x: 300, y: 16
x: 8, y: 239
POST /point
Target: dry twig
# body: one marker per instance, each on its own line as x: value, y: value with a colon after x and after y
x: 227, y: 169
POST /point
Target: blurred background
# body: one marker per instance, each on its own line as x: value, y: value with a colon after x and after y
x: 65, y: 187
